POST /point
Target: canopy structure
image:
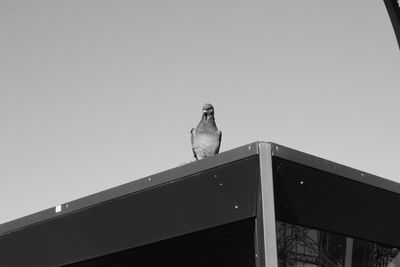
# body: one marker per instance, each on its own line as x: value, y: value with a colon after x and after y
x: 261, y: 204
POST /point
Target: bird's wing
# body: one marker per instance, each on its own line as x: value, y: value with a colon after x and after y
x: 219, y: 142
x: 192, y: 140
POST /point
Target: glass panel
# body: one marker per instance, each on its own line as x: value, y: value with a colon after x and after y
x: 305, y: 247
x: 322, y: 200
x: 228, y: 245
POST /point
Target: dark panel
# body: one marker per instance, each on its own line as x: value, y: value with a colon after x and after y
x: 325, y: 201
x: 228, y: 245
x: 207, y: 199
x: 191, y: 168
x: 393, y: 8
x: 333, y: 167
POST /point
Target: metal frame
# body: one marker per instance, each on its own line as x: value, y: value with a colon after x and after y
x: 265, y: 232
x: 263, y: 211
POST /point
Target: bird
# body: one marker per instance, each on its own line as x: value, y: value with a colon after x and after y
x: 205, y: 137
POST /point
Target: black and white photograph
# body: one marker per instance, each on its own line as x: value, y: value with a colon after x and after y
x: 188, y: 133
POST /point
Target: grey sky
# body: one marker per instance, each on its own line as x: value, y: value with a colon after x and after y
x: 94, y: 94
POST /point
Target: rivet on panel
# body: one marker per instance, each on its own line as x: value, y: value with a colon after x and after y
x: 58, y: 208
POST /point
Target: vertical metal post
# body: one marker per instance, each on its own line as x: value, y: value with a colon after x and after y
x: 265, y: 222
x: 348, y: 258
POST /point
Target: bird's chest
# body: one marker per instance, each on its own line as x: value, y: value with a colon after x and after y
x: 205, y: 141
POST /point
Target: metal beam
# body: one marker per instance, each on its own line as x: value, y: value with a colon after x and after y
x: 265, y: 221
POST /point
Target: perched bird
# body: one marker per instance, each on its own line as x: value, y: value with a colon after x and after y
x: 206, y: 138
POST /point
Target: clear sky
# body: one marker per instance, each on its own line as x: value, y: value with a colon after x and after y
x: 94, y: 94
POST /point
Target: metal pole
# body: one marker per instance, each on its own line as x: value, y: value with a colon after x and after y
x: 265, y: 221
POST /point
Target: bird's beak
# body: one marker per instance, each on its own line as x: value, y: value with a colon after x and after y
x: 204, y: 111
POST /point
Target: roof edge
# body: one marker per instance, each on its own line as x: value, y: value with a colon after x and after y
x: 134, y: 186
x: 333, y: 167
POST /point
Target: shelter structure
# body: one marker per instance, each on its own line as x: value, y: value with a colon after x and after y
x: 261, y: 204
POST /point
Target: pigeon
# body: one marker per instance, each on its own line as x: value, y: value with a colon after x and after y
x: 205, y: 137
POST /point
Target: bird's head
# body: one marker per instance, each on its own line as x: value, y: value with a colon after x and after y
x: 208, y: 110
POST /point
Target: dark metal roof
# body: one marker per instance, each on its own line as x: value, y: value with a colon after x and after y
x: 334, y: 168
x: 182, y: 200
x: 188, y: 199
x: 196, y: 167
x: 131, y: 187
